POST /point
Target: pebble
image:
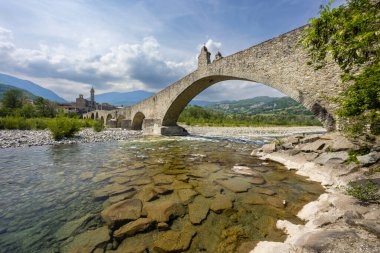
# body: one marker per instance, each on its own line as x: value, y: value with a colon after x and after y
x: 28, y: 138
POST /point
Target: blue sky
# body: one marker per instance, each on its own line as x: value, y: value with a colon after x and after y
x: 69, y: 46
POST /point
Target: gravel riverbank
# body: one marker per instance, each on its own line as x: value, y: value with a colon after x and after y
x: 27, y: 138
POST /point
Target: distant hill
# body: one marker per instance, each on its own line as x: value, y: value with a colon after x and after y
x: 31, y: 87
x: 134, y: 97
x: 5, y: 87
x: 261, y: 105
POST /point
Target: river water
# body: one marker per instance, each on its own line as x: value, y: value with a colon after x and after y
x: 52, y: 196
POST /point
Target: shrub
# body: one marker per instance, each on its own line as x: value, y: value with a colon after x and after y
x: 352, y: 155
x: 63, y: 127
x: 365, y: 192
x: 98, y: 126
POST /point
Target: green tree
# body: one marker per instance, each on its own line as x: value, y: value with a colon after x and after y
x: 45, y: 108
x: 13, y: 99
x: 350, y: 34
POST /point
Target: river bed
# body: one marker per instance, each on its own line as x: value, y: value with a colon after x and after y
x: 52, y: 197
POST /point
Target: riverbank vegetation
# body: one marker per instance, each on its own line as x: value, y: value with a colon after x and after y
x: 18, y: 112
x: 196, y: 115
x: 350, y: 34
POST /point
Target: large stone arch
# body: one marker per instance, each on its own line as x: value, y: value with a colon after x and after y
x: 179, y: 103
x: 137, y: 121
x: 280, y: 63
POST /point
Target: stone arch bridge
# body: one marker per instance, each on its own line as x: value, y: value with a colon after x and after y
x: 279, y: 63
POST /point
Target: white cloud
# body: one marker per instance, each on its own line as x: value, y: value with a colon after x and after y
x: 213, y: 46
x: 121, y: 67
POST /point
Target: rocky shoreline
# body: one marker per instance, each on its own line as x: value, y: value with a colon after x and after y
x: 28, y: 138
x: 336, y: 222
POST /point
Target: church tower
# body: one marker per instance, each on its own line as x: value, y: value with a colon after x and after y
x: 92, y: 101
x: 204, y: 58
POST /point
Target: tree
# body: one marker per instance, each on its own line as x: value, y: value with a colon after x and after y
x: 13, y: 99
x: 45, y: 108
x: 350, y: 34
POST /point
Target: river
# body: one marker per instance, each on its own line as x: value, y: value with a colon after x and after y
x: 52, y: 195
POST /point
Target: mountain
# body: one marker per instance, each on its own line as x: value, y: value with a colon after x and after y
x: 123, y: 98
x: 133, y: 97
x: 261, y: 105
x: 31, y: 87
x: 4, y: 88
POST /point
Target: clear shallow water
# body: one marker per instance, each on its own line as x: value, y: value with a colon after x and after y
x: 44, y: 189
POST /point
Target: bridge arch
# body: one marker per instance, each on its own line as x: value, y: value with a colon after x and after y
x: 102, y: 119
x: 180, y: 102
x: 92, y: 116
x: 137, y: 121
x: 96, y: 115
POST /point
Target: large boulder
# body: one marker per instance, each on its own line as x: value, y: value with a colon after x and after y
x: 164, y: 210
x: 315, y: 146
x: 125, y: 210
x: 332, y: 158
x: 369, y: 159
x: 174, y: 241
x: 133, y: 227
x: 269, y: 148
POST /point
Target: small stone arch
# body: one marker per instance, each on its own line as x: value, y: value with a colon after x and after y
x: 137, y: 121
x: 92, y: 116
x: 119, y: 120
x: 96, y: 115
x: 108, y: 120
x: 102, y: 119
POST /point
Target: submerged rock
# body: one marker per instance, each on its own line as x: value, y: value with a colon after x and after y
x: 133, y: 227
x: 235, y: 184
x: 111, y: 190
x: 206, y: 190
x: 164, y: 210
x: 174, y: 241
x: 186, y: 195
x: 198, y: 209
x: 129, y: 209
x: 244, y: 170
x: 86, y: 175
x: 220, y: 203
x: 71, y: 227
x: 162, y: 179
x: 87, y: 241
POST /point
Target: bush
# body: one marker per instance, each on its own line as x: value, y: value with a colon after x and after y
x: 365, y: 192
x: 63, y: 127
x: 98, y: 126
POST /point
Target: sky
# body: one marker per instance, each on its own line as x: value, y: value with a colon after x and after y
x: 69, y: 46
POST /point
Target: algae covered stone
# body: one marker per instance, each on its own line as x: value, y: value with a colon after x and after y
x: 133, y: 227
x: 163, y: 211
x: 174, y: 241
x: 129, y: 209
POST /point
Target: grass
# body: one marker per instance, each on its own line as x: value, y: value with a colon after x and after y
x: 365, y: 192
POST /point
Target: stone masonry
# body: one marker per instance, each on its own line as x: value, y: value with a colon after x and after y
x: 280, y: 63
